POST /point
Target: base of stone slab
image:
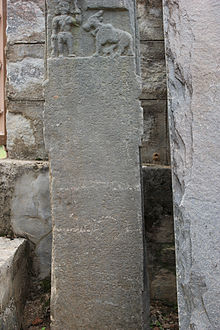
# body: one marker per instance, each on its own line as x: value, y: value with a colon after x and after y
x: 13, y: 282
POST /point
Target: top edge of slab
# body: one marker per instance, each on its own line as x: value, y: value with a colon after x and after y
x: 20, y: 162
x: 107, y: 4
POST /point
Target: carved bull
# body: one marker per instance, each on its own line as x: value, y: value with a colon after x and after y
x: 109, y: 40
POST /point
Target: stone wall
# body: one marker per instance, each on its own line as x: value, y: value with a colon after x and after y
x: 155, y: 154
x: 25, y: 75
x: 24, y: 181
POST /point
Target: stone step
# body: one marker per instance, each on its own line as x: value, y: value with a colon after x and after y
x: 14, y: 281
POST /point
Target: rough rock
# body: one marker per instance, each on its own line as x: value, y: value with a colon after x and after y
x: 25, y: 207
x: 25, y: 79
x: 25, y: 130
x: 193, y: 48
x: 14, y: 267
x: 26, y: 21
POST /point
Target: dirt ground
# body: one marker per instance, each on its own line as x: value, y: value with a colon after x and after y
x: 37, y: 313
x: 163, y: 317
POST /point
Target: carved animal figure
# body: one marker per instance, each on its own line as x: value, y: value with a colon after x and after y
x: 109, y: 40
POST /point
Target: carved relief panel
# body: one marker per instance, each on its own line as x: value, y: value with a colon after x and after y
x: 89, y: 28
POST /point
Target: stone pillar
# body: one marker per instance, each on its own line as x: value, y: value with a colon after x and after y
x: 93, y: 125
x: 192, y: 34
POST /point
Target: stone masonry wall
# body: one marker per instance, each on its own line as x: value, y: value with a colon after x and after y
x: 158, y: 208
x: 24, y: 181
x: 25, y: 75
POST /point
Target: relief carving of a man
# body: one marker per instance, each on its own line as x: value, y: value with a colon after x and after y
x: 62, y: 38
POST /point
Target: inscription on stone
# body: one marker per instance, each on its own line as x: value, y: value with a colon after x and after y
x: 109, y: 40
x: 62, y: 25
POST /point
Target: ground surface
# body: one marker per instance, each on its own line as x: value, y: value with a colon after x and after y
x: 37, y: 309
x: 163, y: 317
x: 37, y: 313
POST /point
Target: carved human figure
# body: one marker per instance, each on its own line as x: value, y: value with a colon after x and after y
x: 62, y: 24
x: 109, y: 40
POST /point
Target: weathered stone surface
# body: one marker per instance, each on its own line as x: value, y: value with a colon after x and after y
x: 92, y: 132
x: 26, y: 21
x: 18, y: 52
x: 14, y: 282
x: 153, y: 70
x: 194, y: 114
x: 25, y: 79
x: 150, y: 19
x: 155, y: 145
x: 25, y: 130
x: 25, y: 207
x: 96, y: 200
x: 102, y: 4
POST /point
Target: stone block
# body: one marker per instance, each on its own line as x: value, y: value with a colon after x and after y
x: 155, y: 145
x: 25, y: 78
x: 159, y: 224
x: 153, y: 70
x: 25, y: 207
x: 26, y: 21
x: 194, y: 116
x: 163, y: 287
x: 150, y: 19
x: 14, y: 282
x: 18, y: 52
x: 158, y: 203
x: 25, y: 130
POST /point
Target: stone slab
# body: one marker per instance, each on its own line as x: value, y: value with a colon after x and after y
x: 13, y: 282
x: 96, y: 193
x: 193, y: 48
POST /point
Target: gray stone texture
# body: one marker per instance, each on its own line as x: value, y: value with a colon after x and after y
x: 25, y: 75
x: 14, y: 282
x: 193, y: 49
x: 158, y: 215
x: 92, y: 132
x: 153, y: 70
x: 26, y: 21
x: 25, y: 130
x: 150, y: 20
x: 25, y: 208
